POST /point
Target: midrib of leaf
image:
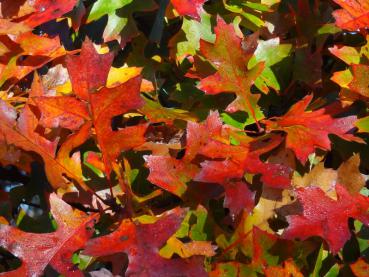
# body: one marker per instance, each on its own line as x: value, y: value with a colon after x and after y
x: 60, y: 232
x: 355, y: 18
x: 71, y: 234
x: 244, y: 90
x: 39, y: 150
x: 100, y: 142
x: 70, y: 112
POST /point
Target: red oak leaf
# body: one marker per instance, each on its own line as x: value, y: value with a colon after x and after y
x: 211, y: 140
x: 360, y: 82
x: 142, y: 243
x: 230, y: 59
x: 191, y: 8
x: 242, y: 158
x: 322, y: 216
x: 63, y: 111
x: 289, y: 269
x: 13, y: 28
x: 353, y: 16
x: 169, y: 173
x: 23, y: 133
x: 307, y: 130
x: 34, y: 13
x: 36, y: 251
x: 28, y: 52
x: 88, y: 71
x: 238, y: 197
x: 110, y: 102
x: 96, y: 103
x: 199, y: 134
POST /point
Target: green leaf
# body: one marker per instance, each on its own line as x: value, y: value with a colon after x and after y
x: 318, y: 263
x: 120, y: 19
x: 267, y: 79
x: 103, y: 7
x: 329, y: 28
x: 194, y: 31
x: 157, y: 113
x: 363, y: 124
x: 194, y: 225
x: 237, y: 119
x: 270, y: 52
x: 333, y: 272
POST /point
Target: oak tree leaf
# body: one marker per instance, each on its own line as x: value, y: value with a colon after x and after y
x: 36, y: 251
x: 142, y: 243
x: 14, y: 28
x: 88, y: 71
x: 46, y: 10
x: 289, y: 269
x: 360, y: 268
x: 230, y: 59
x: 238, y: 197
x: 212, y: 139
x: 121, y: 24
x: 347, y: 175
x: 360, y: 83
x: 23, y: 133
x: 354, y: 14
x: 223, y: 163
x: 28, y: 52
x: 307, y: 130
x: 63, y: 111
x: 239, y: 159
x: 192, y: 8
x: 169, y: 173
x: 322, y: 216
x: 97, y: 103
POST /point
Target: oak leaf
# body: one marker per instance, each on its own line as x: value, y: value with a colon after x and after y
x: 23, y: 132
x: 170, y: 174
x: 322, y: 216
x: 142, y: 243
x: 28, y: 52
x: 347, y: 175
x: 289, y: 269
x: 230, y: 59
x: 223, y: 163
x: 354, y: 14
x: 360, y: 83
x: 96, y: 103
x: 88, y: 71
x: 191, y: 8
x: 36, y: 251
x: 360, y: 268
x: 34, y: 13
x: 307, y: 130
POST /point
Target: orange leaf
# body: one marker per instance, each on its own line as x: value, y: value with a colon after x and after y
x: 353, y: 16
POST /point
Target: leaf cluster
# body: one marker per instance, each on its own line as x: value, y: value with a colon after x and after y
x: 184, y: 138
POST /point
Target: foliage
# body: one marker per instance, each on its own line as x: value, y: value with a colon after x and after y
x: 184, y: 138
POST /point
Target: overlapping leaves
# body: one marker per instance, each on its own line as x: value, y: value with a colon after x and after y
x: 191, y: 138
